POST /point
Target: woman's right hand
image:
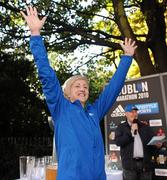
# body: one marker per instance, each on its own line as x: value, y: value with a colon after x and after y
x: 33, y: 21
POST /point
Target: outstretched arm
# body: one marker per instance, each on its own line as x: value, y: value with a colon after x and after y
x: 51, y: 87
x: 112, y: 90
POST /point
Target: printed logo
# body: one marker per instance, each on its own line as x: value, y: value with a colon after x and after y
x: 112, y: 125
x: 161, y: 172
x: 148, y: 108
x: 118, y: 112
x: 114, y: 147
x: 155, y: 122
x: 91, y: 114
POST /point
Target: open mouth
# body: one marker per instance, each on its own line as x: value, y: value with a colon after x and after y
x: 81, y: 95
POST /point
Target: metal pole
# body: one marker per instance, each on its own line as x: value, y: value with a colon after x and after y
x: 164, y: 96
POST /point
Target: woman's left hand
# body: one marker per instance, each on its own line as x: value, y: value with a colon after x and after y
x: 128, y: 46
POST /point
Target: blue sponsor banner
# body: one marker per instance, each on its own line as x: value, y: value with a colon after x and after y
x: 148, y: 108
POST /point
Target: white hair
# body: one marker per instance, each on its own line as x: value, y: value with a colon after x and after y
x: 68, y: 83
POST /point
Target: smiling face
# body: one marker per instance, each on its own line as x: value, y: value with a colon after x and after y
x: 79, y: 91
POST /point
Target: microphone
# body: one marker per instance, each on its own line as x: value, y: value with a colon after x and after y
x: 135, y: 121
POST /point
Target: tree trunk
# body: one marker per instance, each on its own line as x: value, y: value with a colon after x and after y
x: 142, y: 56
x: 154, y: 13
x: 159, y: 50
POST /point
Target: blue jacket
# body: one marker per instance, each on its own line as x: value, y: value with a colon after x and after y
x: 79, y: 143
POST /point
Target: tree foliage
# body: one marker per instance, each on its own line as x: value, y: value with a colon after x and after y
x: 21, y: 108
x: 72, y: 24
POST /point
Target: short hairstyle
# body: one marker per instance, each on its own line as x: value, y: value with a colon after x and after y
x: 68, y: 83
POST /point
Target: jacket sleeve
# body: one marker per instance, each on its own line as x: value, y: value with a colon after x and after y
x: 50, y: 84
x: 112, y: 90
x: 123, y: 136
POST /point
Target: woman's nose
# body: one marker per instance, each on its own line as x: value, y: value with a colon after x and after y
x: 82, y: 89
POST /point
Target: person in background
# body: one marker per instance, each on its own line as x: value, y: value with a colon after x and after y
x: 133, y: 136
x: 78, y: 139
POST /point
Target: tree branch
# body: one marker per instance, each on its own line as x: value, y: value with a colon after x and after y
x: 131, y: 5
x: 97, y: 55
x: 7, y: 6
x: 85, y: 13
x: 83, y: 33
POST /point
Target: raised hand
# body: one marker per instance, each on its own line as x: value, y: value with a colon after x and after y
x: 34, y: 23
x: 128, y: 47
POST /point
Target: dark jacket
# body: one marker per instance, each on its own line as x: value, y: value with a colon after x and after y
x: 125, y: 140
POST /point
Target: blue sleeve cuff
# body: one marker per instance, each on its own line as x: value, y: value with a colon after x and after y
x: 36, y: 37
x: 126, y: 57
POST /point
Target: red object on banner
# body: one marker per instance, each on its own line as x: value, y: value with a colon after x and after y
x: 160, y: 132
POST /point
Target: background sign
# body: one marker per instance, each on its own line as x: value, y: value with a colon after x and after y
x: 149, y: 94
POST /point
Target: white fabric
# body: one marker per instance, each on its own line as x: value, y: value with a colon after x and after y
x: 138, y: 147
x: 114, y: 175
x: 138, y: 151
